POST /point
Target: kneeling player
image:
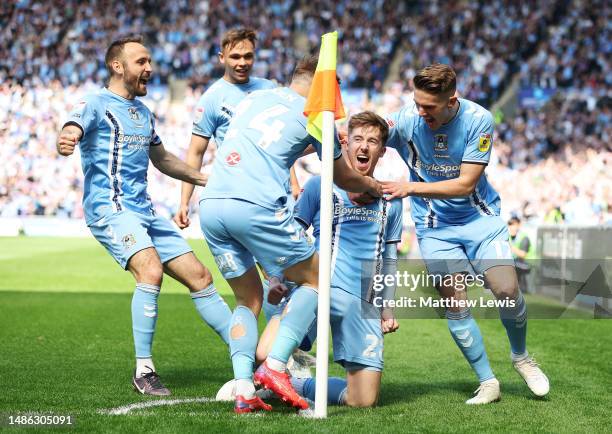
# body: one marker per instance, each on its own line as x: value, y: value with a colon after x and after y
x: 360, y: 233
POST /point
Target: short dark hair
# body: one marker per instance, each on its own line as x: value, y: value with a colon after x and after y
x: 116, y: 48
x: 233, y: 36
x: 514, y: 219
x: 305, y: 67
x: 370, y: 119
x: 438, y: 79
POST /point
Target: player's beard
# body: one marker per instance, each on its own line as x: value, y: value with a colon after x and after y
x: 132, y: 84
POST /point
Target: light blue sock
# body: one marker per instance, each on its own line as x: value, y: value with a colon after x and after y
x: 213, y: 310
x: 466, y: 334
x: 242, y: 347
x: 336, y: 389
x: 144, y: 317
x: 301, y: 312
x: 269, y: 310
x: 514, y: 320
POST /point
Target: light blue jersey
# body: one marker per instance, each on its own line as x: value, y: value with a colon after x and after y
x: 217, y: 105
x: 265, y: 137
x: 359, y: 233
x: 437, y: 156
x: 117, y: 133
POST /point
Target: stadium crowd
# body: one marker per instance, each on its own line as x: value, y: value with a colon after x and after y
x: 548, y: 161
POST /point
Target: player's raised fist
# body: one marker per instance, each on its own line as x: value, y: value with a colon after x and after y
x: 67, y: 142
x: 181, y: 218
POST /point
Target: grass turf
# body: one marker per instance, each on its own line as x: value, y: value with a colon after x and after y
x: 67, y: 349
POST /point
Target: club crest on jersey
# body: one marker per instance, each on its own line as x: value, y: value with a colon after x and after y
x: 232, y: 159
x: 134, y: 115
x: 440, y: 142
x: 390, y: 123
x: 128, y: 241
x: 484, y: 143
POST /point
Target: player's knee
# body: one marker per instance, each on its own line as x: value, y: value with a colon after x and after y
x: 152, y: 273
x: 506, y: 290
x: 202, y: 278
x: 363, y: 400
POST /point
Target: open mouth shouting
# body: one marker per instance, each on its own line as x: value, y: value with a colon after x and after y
x: 362, y: 163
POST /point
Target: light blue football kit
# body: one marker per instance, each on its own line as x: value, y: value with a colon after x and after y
x: 462, y: 234
x: 246, y: 212
x: 217, y: 106
x: 360, y: 236
x: 117, y: 135
x: 459, y: 234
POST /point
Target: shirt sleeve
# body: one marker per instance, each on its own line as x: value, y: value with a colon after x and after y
x: 205, y: 118
x: 525, y: 244
x: 394, y: 222
x: 155, y: 140
x: 319, y: 148
x: 480, y: 141
x: 309, y: 202
x: 394, y: 141
x: 84, y: 115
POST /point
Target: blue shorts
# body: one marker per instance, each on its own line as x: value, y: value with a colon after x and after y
x: 127, y: 232
x: 473, y: 247
x: 357, y: 336
x: 237, y: 230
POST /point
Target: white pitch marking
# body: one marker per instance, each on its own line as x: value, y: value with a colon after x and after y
x: 158, y: 403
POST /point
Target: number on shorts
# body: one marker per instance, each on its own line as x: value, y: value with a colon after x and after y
x: 373, y: 343
x: 225, y: 262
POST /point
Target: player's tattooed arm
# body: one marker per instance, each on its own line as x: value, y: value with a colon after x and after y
x: 169, y: 164
x: 68, y: 139
x: 463, y: 185
x: 348, y: 179
x: 195, y: 156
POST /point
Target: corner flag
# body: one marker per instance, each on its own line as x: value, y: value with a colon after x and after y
x: 324, y: 92
x: 324, y: 105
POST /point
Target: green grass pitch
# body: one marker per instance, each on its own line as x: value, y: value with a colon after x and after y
x: 66, y: 348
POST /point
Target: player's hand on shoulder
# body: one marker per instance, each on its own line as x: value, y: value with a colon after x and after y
x: 361, y: 198
x: 376, y: 188
x: 388, y: 323
x: 181, y: 218
x: 278, y: 290
x: 396, y: 189
x: 66, y: 142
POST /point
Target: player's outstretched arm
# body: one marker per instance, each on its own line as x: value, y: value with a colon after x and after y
x: 388, y: 323
x: 463, y: 185
x: 67, y: 140
x: 348, y: 179
x: 168, y: 164
x: 195, y: 156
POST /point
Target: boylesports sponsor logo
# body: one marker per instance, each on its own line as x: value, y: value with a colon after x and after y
x: 135, y: 141
x: 444, y: 170
x: 357, y: 213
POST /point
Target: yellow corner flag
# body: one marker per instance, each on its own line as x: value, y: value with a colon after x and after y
x: 324, y: 93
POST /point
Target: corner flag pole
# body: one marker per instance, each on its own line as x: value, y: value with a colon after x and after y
x: 325, y: 239
x: 323, y: 107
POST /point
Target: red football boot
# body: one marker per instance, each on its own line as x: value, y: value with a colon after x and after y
x: 244, y: 405
x: 279, y: 383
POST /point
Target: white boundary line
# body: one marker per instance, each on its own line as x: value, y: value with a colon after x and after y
x: 147, y: 404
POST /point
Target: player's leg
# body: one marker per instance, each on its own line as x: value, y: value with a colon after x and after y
x: 125, y: 237
x: 443, y: 254
x: 363, y: 386
x: 219, y: 220
x: 210, y: 306
x: 492, y: 258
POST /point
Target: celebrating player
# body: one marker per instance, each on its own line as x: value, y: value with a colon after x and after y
x: 245, y: 212
x: 218, y: 104
x: 446, y: 143
x: 363, y: 235
x: 116, y: 133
